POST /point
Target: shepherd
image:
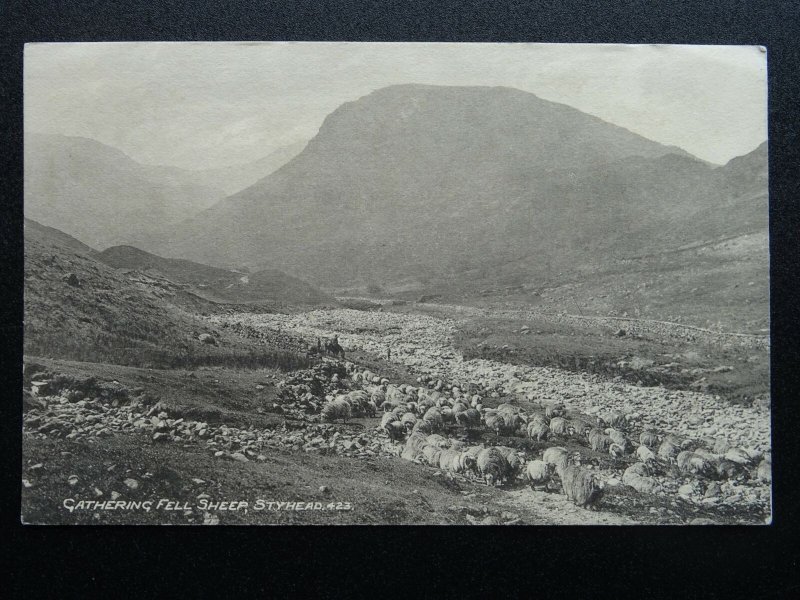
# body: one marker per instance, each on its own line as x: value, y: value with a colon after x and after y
x: 332, y: 347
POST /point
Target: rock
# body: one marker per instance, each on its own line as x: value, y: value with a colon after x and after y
x: 687, y: 489
x: 132, y: 483
x: 71, y: 279
x: 98, y: 492
x: 26, y: 483
x: 207, y: 338
x: 323, y: 489
x: 160, y: 436
x: 712, y: 490
x: 239, y: 457
x: 115, y: 495
x: 72, y: 480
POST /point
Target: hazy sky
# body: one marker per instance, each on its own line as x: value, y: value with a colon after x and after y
x: 200, y: 105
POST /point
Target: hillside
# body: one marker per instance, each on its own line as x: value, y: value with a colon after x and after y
x: 215, y: 283
x: 42, y: 233
x: 103, y: 197
x: 425, y: 186
x: 79, y: 308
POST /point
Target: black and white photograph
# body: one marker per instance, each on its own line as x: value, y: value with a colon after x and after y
x: 395, y: 283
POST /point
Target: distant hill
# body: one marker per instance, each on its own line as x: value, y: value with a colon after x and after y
x: 216, y: 283
x: 103, y: 197
x: 421, y: 186
x: 238, y: 177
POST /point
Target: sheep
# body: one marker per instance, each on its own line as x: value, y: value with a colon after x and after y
x: 667, y: 451
x: 689, y: 462
x: 469, y: 459
x: 432, y: 454
x: 599, y: 441
x: 617, y: 437
x: 390, y: 405
x: 336, y: 409
x: 555, y: 410
x: 393, y: 393
x: 616, y: 450
x: 378, y: 397
x: 449, y: 460
x: 648, y: 438
x: 558, y: 457
x: 459, y: 407
x: 434, y: 417
x: 387, y: 418
x: 447, y: 415
x: 578, y: 427
x: 511, y: 456
x: 437, y: 440
x: 492, y: 465
x: 538, y: 472
x: 645, y: 454
x: 503, y: 423
x: 417, y: 441
x: 738, y: 455
x: 408, y: 420
x: 538, y: 431
x: 638, y: 477
x: 727, y: 469
x: 581, y: 486
x: 395, y: 430
x: 616, y: 419
x: 469, y: 418
x: 558, y: 425
x: 422, y: 426
x: 466, y: 463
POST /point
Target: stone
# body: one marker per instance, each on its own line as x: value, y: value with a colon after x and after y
x: 238, y: 456
x: 132, y: 483
x: 72, y: 480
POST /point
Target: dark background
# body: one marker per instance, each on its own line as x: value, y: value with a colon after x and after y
x: 695, y: 562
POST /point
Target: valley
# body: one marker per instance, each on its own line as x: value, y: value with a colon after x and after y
x: 453, y: 305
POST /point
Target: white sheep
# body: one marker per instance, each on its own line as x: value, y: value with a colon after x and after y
x: 336, y: 409
x: 538, y: 472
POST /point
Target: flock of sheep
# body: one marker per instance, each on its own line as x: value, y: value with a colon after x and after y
x: 418, y: 416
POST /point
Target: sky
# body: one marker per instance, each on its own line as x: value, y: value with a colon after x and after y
x: 199, y: 105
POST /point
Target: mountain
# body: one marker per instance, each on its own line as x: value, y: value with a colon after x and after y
x: 101, y: 196
x: 215, y: 283
x: 420, y: 184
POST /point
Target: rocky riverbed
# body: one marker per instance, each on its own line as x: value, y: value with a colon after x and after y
x: 422, y: 343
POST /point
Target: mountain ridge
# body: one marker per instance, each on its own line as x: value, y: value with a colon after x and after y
x: 424, y: 182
